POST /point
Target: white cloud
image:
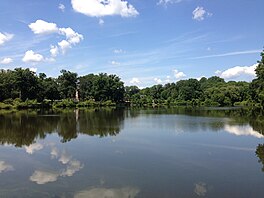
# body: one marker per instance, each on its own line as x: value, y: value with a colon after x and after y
x: 229, y: 54
x: 200, y: 13
x: 101, y: 22
x: 33, y: 69
x: 158, y: 80
x: 43, y: 27
x: 4, y: 167
x: 72, y: 37
x: 165, y: 2
x: 31, y: 56
x: 218, y: 72
x: 179, y: 74
x: 119, y: 51
x: 168, y: 79
x: 237, y: 71
x: 4, y: 37
x: 99, y: 8
x: 199, y: 78
x: 54, y: 51
x: 43, y: 177
x: 114, y: 63
x: 64, y: 46
x: 135, y: 81
x: 108, y: 192
x: 33, y: 148
x: 61, y: 7
x: 6, y: 61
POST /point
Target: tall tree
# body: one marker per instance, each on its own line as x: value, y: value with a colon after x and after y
x: 257, y: 85
x: 67, y: 84
x: 26, y: 83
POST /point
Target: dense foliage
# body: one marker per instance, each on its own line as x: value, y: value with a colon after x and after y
x: 22, y: 85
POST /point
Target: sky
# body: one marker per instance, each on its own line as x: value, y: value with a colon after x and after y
x: 145, y: 42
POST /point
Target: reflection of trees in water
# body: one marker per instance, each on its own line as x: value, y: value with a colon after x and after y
x: 260, y: 154
x: 23, y: 128
x: 102, y: 123
x: 67, y: 126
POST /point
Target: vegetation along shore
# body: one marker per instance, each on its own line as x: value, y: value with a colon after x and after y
x: 21, y: 88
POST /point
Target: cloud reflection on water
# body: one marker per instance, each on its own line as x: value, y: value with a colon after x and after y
x: 4, y: 167
x: 72, y: 166
x: 130, y: 192
x: 200, y: 189
x: 33, y: 148
x: 242, y: 130
x: 43, y: 177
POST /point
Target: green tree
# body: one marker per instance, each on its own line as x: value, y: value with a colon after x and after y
x: 67, y: 84
x: 26, y: 83
x: 257, y: 85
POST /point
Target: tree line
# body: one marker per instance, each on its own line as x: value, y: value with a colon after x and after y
x: 23, y: 85
x: 213, y: 91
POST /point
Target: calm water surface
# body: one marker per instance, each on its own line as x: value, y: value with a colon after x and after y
x: 132, y: 153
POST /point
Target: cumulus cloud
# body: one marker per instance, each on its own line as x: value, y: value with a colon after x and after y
x: 54, y: 51
x: 158, y: 80
x: 33, y: 69
x: 200, y: 13
x: 238, y: 71
x: 61, y: 7
x: 135, y: 81
x: 178, y: 74
x: 108, y: 192
x: 43, y: 177
x: 100, y: 8
x: 6, y: 61
x: 31, y: 56
x: 71, y: 37
x: 64, y: 46
x: 43, y: 27
x: 168, y: 79
x: 4, y: 37
x: 4, y: 167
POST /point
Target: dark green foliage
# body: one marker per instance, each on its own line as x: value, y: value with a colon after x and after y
x: 101, y: 87
x: 67, y: 84
x: 257, y: 85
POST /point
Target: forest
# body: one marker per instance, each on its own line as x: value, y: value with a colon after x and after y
x: 22, y: 88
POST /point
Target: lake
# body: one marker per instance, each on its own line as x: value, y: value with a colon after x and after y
x: 132, y: 153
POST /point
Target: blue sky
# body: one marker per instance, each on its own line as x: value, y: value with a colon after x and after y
x: 145, y: 42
